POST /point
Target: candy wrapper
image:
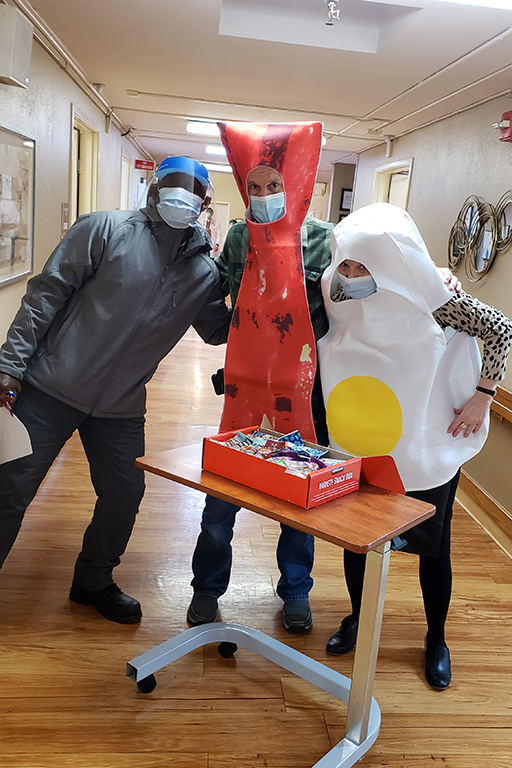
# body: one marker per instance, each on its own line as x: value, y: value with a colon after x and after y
x: 289, y: 451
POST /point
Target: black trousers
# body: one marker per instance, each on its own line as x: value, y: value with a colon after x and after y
x: 111, y: 446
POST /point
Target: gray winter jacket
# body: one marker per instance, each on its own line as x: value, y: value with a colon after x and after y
x: 115, y: 296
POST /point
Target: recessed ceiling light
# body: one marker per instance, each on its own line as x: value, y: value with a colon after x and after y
x: 202, y: 128
x: 215, y: 149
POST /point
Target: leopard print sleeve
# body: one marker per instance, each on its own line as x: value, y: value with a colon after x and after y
x: 465, y: 313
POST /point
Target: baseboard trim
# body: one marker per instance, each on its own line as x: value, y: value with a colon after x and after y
x: 486, y: 511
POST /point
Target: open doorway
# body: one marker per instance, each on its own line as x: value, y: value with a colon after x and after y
x: 392, y: 183
x: 126, y: 183
x: 84, y: 169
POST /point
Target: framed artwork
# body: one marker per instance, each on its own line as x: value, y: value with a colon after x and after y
x: 346, y: 200
x: 17, y: 162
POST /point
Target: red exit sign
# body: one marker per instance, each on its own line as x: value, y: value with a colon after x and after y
x: 145, y: 165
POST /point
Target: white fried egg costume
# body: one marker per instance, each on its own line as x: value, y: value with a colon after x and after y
x: 391, y: 376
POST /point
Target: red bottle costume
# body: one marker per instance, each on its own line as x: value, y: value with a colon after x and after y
x: 271, y: 355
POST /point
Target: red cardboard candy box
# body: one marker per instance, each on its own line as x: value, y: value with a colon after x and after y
x: 318, y: 487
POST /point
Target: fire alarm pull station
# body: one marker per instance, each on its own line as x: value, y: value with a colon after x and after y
x: 505, y: 127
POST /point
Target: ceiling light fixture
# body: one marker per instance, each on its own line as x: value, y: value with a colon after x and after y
x: 333, y: 13
x: 202, y: 128
x: 215, y: 149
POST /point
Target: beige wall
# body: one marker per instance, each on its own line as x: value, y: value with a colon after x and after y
x: 44, y: 112
x: 320, y: 200
x: 226, y: 191
x: 453, y: 159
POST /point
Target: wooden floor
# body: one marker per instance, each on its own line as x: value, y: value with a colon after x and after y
x: 64, y: 697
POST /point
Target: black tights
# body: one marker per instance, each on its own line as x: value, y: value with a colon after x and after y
x: 435, y: 575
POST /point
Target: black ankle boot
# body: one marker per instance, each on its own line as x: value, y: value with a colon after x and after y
x: 113, y: 604
x: 344, y: 639
x: 438, y: 673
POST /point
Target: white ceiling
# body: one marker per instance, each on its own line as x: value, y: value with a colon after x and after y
x: 408, y: 64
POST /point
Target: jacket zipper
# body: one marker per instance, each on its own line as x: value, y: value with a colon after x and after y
x: 158, y: 283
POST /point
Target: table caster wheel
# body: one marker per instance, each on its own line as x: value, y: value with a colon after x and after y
x: 147, y: 684
x: 227, y: 650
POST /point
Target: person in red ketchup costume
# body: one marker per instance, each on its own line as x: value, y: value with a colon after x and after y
x: 271, y: 355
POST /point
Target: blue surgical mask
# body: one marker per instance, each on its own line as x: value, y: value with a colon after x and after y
x: 178, y: 207
x: 358, y: 287
x: 267, y: 208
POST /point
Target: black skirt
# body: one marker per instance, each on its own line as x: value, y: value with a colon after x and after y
x: 425, y: 538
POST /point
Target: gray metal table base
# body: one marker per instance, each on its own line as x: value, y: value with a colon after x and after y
x: 363, y: 715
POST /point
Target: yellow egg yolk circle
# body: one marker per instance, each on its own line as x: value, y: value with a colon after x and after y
x: 364, y: 416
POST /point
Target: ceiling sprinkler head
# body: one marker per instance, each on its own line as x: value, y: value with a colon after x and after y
x: 333, y: 13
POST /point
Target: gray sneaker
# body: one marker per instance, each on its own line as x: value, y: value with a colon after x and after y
x: 297, y: 616
x: 202, y: 609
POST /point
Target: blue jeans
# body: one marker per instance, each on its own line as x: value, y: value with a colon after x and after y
x: 211, y: 562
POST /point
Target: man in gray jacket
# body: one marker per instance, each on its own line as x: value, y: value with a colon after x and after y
x: 114, y: 298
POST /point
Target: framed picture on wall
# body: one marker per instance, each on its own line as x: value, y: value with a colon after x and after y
x: 17, y: 162
x: 346, y: 200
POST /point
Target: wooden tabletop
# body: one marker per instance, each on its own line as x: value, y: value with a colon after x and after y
x: 359, y: 521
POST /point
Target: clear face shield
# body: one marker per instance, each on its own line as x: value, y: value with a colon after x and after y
x: 151, y: 189
x: 182, y: 191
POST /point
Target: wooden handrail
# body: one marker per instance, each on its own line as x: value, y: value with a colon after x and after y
x: 502, y: 403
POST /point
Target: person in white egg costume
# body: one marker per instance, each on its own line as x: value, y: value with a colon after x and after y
x: 401, y: 375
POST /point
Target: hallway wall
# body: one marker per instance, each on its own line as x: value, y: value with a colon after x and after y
x: 44, y: 112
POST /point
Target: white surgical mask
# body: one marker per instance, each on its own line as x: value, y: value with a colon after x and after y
x: 267, y: 208
x: 358, y: 287
x: 178, y: 207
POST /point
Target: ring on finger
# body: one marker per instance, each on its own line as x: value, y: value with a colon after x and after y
x: 463, y: 425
